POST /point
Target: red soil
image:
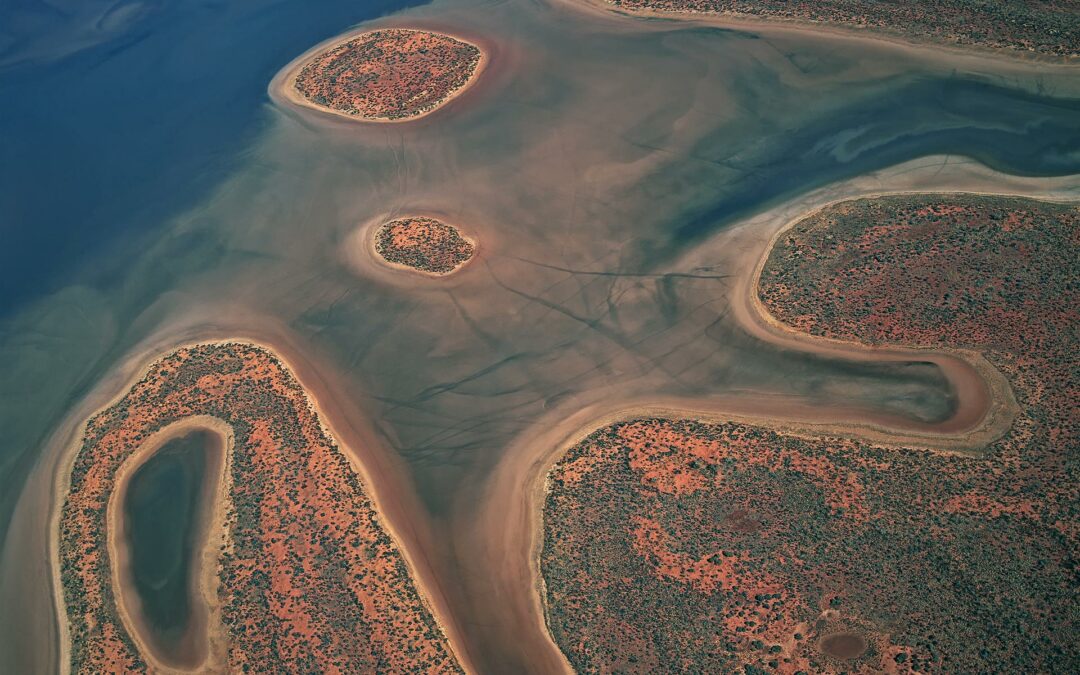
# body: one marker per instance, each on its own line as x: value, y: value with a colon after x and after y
x: 423, y: 244
x: 1042, y: 27
x: 388, y: 74
x: 310, y: 578
x: 730, y: 547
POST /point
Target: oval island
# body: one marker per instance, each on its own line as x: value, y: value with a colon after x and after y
x: 388, y: 75
x: 422, y: 244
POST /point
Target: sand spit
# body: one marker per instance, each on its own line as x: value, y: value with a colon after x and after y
x: 285, y: 84
x: 205, y: 639
x: 508, y: 533
x: 419, y: 571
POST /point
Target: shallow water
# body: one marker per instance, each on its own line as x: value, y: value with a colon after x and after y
x: 598, y: 152
x: 162, y: 505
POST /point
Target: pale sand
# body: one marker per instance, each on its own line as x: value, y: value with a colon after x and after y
x: 970, y: 53
x: 360, y: 245
x: 207, y: 635
x: 503, y: 536
x: 400, y: 530
x: 509, y: 532
x: 284, y: 83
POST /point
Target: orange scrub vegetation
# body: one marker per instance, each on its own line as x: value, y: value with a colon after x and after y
x: 679, y: 545
x: 388, y: 74
x: 423, y: 244
x: 1051, y: 28
x: 310, y: 578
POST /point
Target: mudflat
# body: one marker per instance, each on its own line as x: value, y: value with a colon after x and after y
x: 618, y: 226
x: 513, y: 538
x: 786, y: 546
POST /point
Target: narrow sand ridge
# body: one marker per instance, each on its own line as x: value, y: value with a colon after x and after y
x: 509, y: 533
x: 416, y: 574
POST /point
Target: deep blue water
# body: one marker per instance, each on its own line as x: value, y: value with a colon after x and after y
x: 116, y: 115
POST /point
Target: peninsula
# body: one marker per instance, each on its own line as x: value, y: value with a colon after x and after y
x: 1040, y: 28
x: 701, y: 543
x: 305, y: 573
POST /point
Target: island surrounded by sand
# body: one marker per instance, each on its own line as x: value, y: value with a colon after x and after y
x: 383, y: 75
x: 423, y: 245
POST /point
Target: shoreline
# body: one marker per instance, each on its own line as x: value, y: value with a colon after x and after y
x: 361, y: 257
x: 372, y: 250
x: 284, y: 83
x: 895, y: 38
x: 206, y: 629
x: 510, y: 528
x: 430, y: 593
x: 963, y: 367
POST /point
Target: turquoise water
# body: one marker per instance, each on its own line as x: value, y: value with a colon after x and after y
x: 115, y: 116
x: 150, y: 190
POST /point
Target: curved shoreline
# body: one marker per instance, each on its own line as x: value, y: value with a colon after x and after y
x: 986, y: 404
x: 316, y: 381
x: 284, y: 83
x: 896, y: 38
x: 419, y: 569
x: 369, y: 231
x: 213, y: 532
x: 510, y: 529
x: 358, y: 252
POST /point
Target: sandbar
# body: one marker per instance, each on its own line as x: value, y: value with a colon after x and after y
x: 853, y: 32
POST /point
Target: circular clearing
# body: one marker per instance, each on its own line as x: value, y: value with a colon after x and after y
x: 843, y: 646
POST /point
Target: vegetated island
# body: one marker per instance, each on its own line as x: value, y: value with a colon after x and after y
x: 310, y: 578
x: 393, y: 74
x: 677, y: 545
x: 1048, y: 28
x: 423, y: 245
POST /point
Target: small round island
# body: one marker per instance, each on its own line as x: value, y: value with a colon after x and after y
x: 387, y: 75
x: 424, y: 245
